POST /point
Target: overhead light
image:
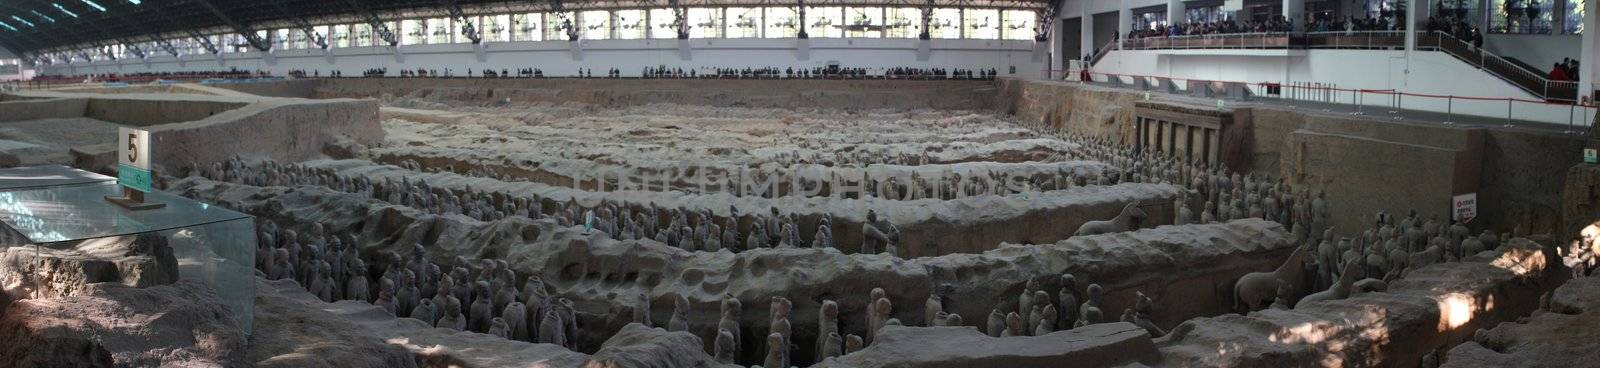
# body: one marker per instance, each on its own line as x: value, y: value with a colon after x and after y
x: 8, y: 26
x: 93, y: 5
x: 41, y: 15
x: 24, y: 21
x: 64, y: 10
x: 135, y: 2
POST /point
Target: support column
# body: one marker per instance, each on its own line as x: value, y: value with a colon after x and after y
x: 1294, y: 11
x: 1086, y: 32
x: 1058, y: 29
x: 1558, y: 22
x: 1587, y: 56
x: 1411, y: 39
x: 1124, y: 21
x: 1485, y: 15
x: 1175, y: 12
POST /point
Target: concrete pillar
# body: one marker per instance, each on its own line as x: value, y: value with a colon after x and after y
x: 1485, y: 15
x: 1294, y: 11
x: 1058, y: 28
x: 1557, y: 21
x: 1587, y: 52
x: 1411, y: 37
x: 1175, y: 12
x: 1124, y: 20
x: 1086, y: 32
x: 615, y: 31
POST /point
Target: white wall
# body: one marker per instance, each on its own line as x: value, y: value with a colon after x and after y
x: 1074, y: 8
x: 25, y: 75
x: 558, y: 58
x: 1540, y: 51
x: 1430, y: 72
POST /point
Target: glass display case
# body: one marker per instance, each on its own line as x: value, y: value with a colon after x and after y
x: 43, y: 176
x: 71, y: 219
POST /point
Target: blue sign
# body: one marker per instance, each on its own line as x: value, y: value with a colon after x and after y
x: 133, y: 178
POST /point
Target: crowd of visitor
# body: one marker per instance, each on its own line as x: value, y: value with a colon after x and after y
x: 233, y: 73
x: 1313, y: 23
x: 1566, y: 70
x: 1449, y: 25
x: 1275, y: 24
x: 1455, y: 27
x: 301, y: 73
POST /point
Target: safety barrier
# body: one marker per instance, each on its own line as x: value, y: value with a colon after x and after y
x: 1211, y: 41
x: 1569, y: 117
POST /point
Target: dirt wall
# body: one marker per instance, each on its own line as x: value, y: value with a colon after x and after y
x: 1364, y: 164
x: 280, y: 129
x: 42, y: 108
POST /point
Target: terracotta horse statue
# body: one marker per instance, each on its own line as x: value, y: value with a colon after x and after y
x: 1123, y: 222
x: 1257, y: 288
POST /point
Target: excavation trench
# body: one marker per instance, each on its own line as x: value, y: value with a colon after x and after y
x: 804, y: 180
x: 927, y: 227
x: 1186, y: 269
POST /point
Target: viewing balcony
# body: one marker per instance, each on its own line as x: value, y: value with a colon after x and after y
x: 1534, y: 82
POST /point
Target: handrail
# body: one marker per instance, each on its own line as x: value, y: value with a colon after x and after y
x: 1265, y: 40
x: 1101, y: 53
x: 1527, y: 80
x: 1577, y: 115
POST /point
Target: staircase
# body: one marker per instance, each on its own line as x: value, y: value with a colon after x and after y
x: 1101, y: 53
x: 1533, y: 81
x: 1527, y: 66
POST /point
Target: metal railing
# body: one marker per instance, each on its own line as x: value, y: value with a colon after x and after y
x: 1384, y: 40
x: 1101, y: 53
x: 1571, y: 118
x: 1276, y: 40
x: 1533, y: 82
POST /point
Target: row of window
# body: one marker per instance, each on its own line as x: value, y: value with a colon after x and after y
x: 717, y: 22
x: 1506, y: 16
x: 10, y: 66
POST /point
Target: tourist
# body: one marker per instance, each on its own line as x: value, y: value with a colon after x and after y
x: 1558, y: 73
